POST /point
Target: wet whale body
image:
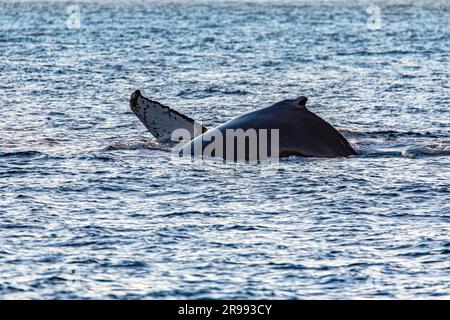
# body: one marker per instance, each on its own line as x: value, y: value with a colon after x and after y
x: 286, y: 128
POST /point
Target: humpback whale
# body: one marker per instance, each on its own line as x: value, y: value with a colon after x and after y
x: 286, y: 128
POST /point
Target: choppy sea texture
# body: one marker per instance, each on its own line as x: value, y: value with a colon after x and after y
x: 88, y: 209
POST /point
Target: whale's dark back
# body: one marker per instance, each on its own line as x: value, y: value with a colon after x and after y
x: 301, y: 132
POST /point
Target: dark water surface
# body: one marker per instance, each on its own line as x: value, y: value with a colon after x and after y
x: 89, y: 210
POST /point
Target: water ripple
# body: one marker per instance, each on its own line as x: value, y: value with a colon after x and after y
x: 92, y: 207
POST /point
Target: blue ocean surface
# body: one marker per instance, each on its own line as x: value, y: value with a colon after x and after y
x: 89, y: 208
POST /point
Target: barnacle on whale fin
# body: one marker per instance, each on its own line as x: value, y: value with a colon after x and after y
x: 134, y: 98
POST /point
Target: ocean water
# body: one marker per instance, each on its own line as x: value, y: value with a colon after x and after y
x: 90, y: 209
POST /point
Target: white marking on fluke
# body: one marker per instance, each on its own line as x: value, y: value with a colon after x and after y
x: 161, y: 120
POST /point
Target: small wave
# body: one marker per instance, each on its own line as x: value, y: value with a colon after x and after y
x: 431, y: 150
x: 142, y: 144
x: 286, y: 266
x: 213, y: 89
x: 132, y: 264
x: 427, y: 151
x: 21, y: 154
x: 391, y: 143
x: 97, y: 156
x: 391, y: 134
x: 379, y: 153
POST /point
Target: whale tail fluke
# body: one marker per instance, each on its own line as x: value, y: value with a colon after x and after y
x: 161, y: 120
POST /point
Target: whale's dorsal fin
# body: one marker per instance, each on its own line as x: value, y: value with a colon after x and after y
x: 301, y: 102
